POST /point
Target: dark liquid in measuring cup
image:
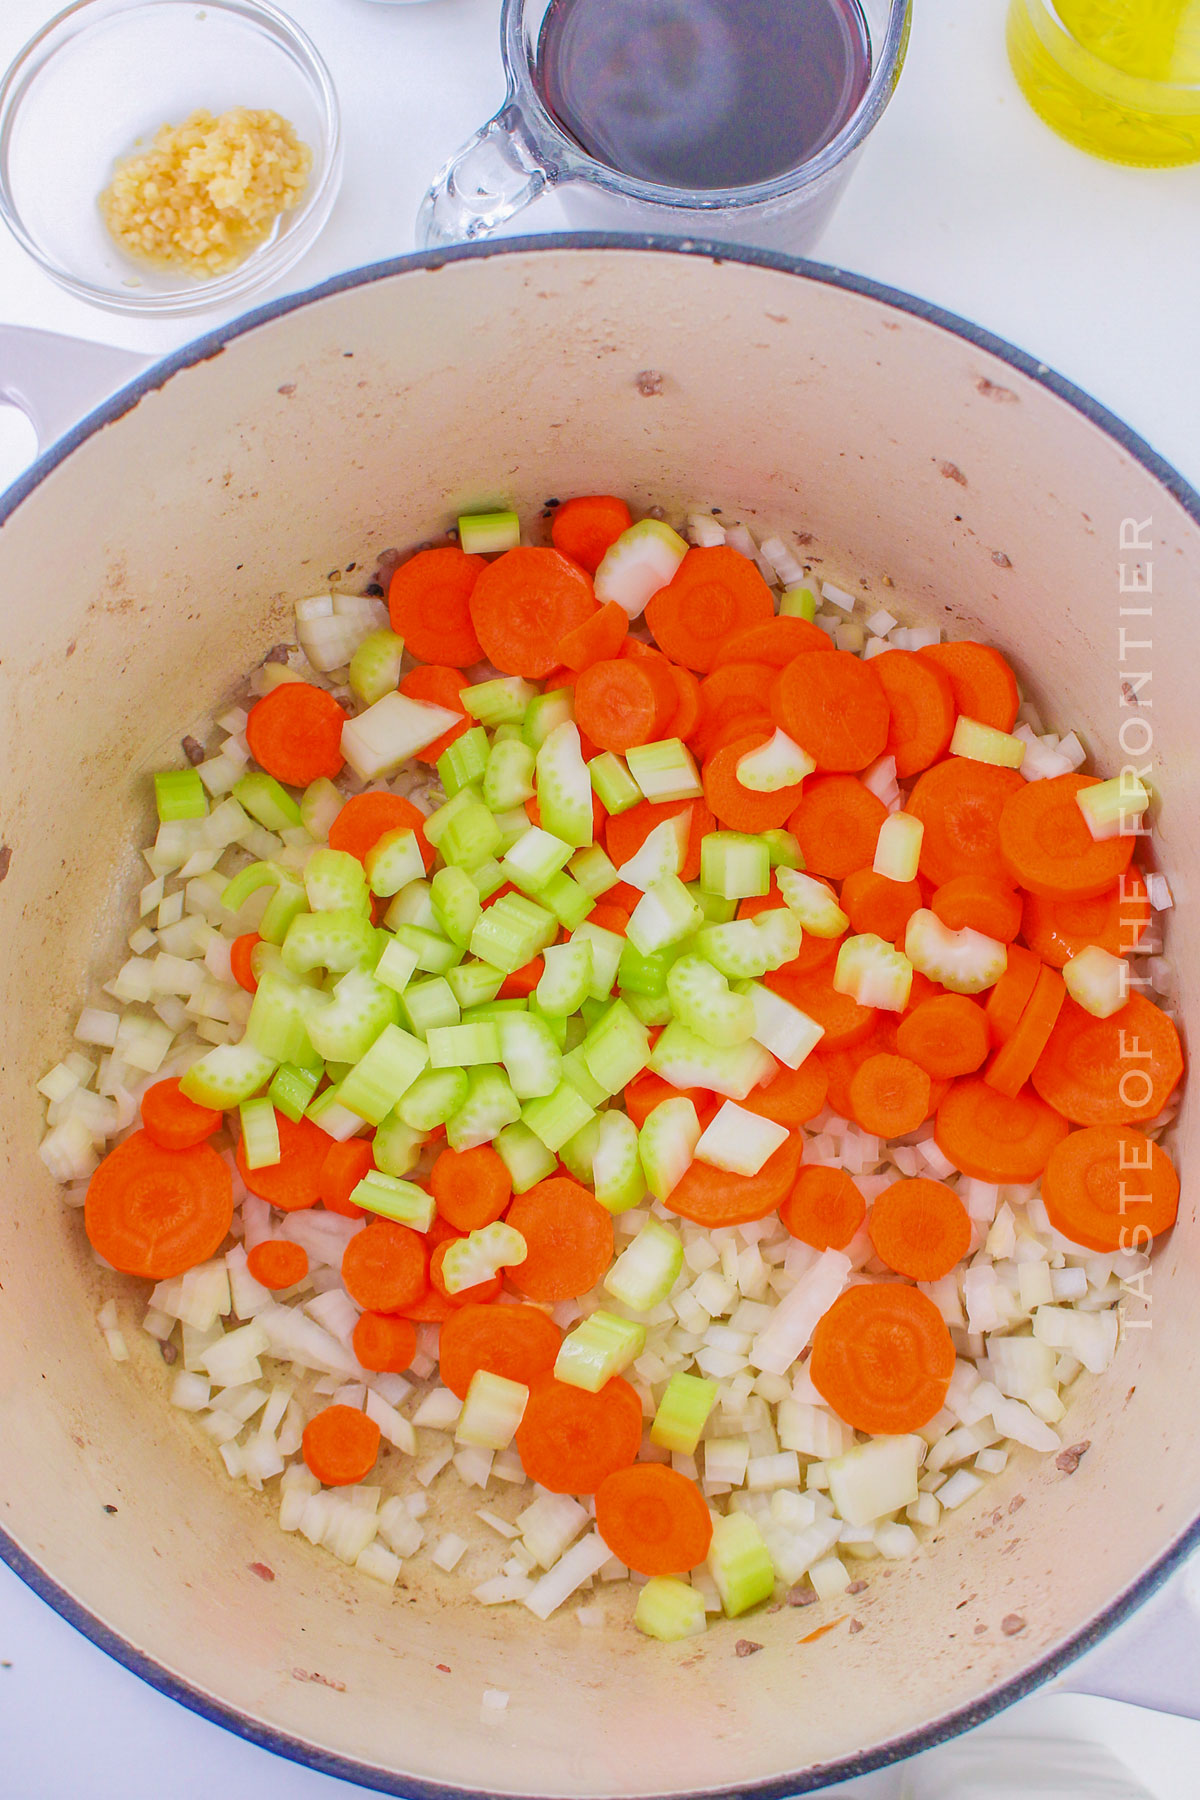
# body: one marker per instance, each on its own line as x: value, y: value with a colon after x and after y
x: 703, y: 93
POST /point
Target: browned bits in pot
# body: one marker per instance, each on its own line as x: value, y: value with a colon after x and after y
x: 261, y: 1570
x: 648, y: 383
x: 168, y: 1352
x: 278, y: 653
x: 1016, y: 1503
x: 193, y: 749
x: 801, y: 1595
x: 5, y: 859
x: 746, y: 1647
x: 1012, y: 1624
x: 857, y: 1587
x: 1001, y: 561
x: 952, y: 472
x: 856, y: 1625
x: 1069, y: 1460
x: 389, y: 562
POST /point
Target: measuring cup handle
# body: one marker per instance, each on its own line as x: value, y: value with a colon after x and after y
x: 494, y: 175
x: 55, y: 380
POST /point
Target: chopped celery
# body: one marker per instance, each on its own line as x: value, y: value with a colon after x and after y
x: 456, y: 904
x: 564, y: 788
x: 413, y: 905
x: 336, y: 941
x: 179, y: 794
x: 782, y: 1028
x: 396, y: 1146
x: 669, y: 1609
x: 575, y: 1070
x: 747, y: 948
x: 716, y: 909
x: 873, y: 972
x: 616, y: 1048
x: 394, y: 860
x: 535, y: 858
x: 488, y: 875
x: 665, y: 915
x: 263, y: 798
x: 378, y: 742
x: 983, y: 743
x: 434, y: 953
x: 499, y: 702
x: 558, y: 1116
x: 492, y: 1410
x: 434, y: 1097
x: 798, y: 602
x: 783, y: 848
x: 226, y: 1075
x: 463, y: 1046
x: 544, y: 712
x: 508, y: 778
x: 704, y: 1002
x: 614, y: 785
x: 375, y: 666
x: 397, y: 964
x: 739, y: 1141
x: 598, y: 1348
x: 1097, y: 981
x: 278, y: 1022
x: 617, y: 1174
x: 740, y: 1563
x: 530, y: 1054
x: 661, y: 853
x: 606, y: 947
x: 569, y: 903
x: 481, y: 1255
x: 343, y: 1025
x: 393, y: 1198
x: 247, y: 881
x: 335, y: 1120
x: 778, y: 763
x: 683, y: 1413
x: 641, y: 561
x: 512, y: 932
x: 640, y: 974
x: 652, y: 1009
x: 734, y: 865
x: 686, y: 1061
x: 1114, y: 808
x: 648, y: 1268
x: 511, y: 824
x: 473, y: 984
x: 285, y: 905
x: 566, y: 978
x: 814, y: 904
x: 524, y: 1156
x: 667, y: 1144
x: 486, y: 534
x: 320, y: 804
x: 898, y: 847
x: 964, y: 961
x: 489, y: 1106
x: 495, y: 1009
x: 335, y: 882
x: 665, y: 770
x: 464, y: 761
x: 388, y: 1070
x: 291, y: 1090
x: 260, y: 1133
x: 592, y: 870
x: 472, y: 836
x: 578, y: 1151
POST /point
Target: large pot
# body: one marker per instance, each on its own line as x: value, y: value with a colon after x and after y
x: 152, y: 556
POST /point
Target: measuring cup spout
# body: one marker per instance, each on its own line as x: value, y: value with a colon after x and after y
x: 496, y: 173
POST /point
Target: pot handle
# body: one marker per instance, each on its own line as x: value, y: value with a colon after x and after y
x: 55, y: 380
x: 1151, y: 1660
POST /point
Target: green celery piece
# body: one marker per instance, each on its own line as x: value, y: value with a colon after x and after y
x: 247, y: 881
x: 705, y: 1003
x: 335, y: 881
x: 473, y: 837
x: 291, y: 1090
x: 412, y: 906
x: 592, y: 870
x: 396, y: 1146
x: 332, y: 1117
x: 260, y: 1133
x: 487, y: 877
x: 734, y: 865
x: 617, y: 1173
x: 495, y: 1009
x: 716, y: 909
x: 337, y: 941
x: 434, y: 1096
x: 393, y: 1198
x: 664, y: 915
x: 463, y: 761
x: 578, y: 1151
x: 499, y: 702
x: 394, y: 860
x: 397, y: 963
x: 473, y: 983
x: 544, y: 713
x: 511, y: 932
x: 798, y: 602
x: 389, y: 1068
x: 555, y: 1023
x: 647, y: 1269
x: 616, y: 1048
x: 643, y: 974
x: 748, y: 948
x: 667, y: 1144
x: 375, y: 666
x: 686, y: 1061
x: 524, y: 1156
x: 651, y: 1009
x: 740, y: 1563
x: 665, y: 770
x: 614, y: 785
x: 456, y: 904
x: 566, y: 978
x: 463, y: 1046
x: 607, y: 947
x: 601, y: 1346
x: 320, y: 804
x: 511, y: 825
x: 575, y: 1070
x: 530, y: 1054
x: 814, y: 904
x: 490, y: 1105
x: 266, y: 801
x: 783, y: 849
x: 535, y: 859
x: 669, y: 1609
x: 558, y: 1116
x: 486, y: 534
x: 343, y: 1025
x: 508, y: 777
x: 435, y: 954
x: 277, y: 1026
x: 569, y: 903
x: 481, y: 1255
x: 683, y: 1412
x: 286, y: 904
x: 226, y: 1075
x: 179, y: 794
x: 564, y: 787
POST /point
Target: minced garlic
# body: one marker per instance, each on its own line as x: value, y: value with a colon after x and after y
x: 207, y: 191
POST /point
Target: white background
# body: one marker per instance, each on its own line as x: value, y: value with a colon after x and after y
x: 963, y: 197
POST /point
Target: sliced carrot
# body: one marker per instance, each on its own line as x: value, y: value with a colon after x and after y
x: 1110, y: 1188
x: 920, y: 1228
x: 240, y: 965
x: 759, y: 724
x: 1047, y: 846
x: 623, y: 702
x: 584, y: 528
x: 429, y: 600
x: 714, y: 1197
x: 384, y: 1343
x: 740, y: 808
x: 984, y: 686
x: 995, y: 1137
x: 712, y: 594
x: 921, y: 702
x: 686, y: 716
x: 154, y: 1212
x: 653, y: 1519
x: 518, y: 1342
x: 979, y: 903
x: 1010, y: 996
x: 814, y: 953
x: 522, y: 981
x: 174, y: 1122
x: 524, y: 603
x: 340, y: 1445
x: 837, y: 824
x: 1116, y: 920
x: 610, y: 917
x: 647, y: 1090
x: 824, y: 1209
x: 777, y: 641
x: 959, y: 802
x: 568, y: 1237
x: 441, y: 686
x: 385, y: 1267
x: 792, y: 1096
x: 344, y: 1167
x: 1116, y: 1071
x: 598, y: 639
x: 875, y: 903
x: 366, y: 817
x: 1013, y: 1063
x: 734, y: 690
x: 889, y: 1095
x: 471, y: 1187
x: 946, y: 1035
x: 483, y: 1293
x: 622, y: 897
x: 295, y: 733
x: 431, y: 1308
x: 882, y: 1358
x: 277, y: 1263
x: 834, y: 707
x: 626, y: 832
x: 569, y: 1440
x: 845, y: 1022
x: 294, y: 1182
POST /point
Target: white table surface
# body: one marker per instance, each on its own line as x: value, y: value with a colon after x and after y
x: 962, y: 197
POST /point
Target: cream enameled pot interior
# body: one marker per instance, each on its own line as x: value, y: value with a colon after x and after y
x: 156, y: 563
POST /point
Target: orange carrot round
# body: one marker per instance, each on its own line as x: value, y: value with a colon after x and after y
x: 979, y: 903
x: 277, y: 1263
x: 441, y: 685
x: 715, y: 1197
x: 777, y: 642
x: 240, y: 965
x: 1008, y: 999
x: 837, y: 824
x: 1116, y: 1071
x: 921, y: 702
x: 626, y: 832
x: 518, y: 1342
x: 1047, y: 847
x: 345, y: 1165
x: 824, y: 1209
x: 568, y: 1237
x: 584, y: 528
x: 740, y: 808
x: 569, y: 1440
x: 1057, y: 929
x: 471, y: 1187
x: 429, y: 599
x: 983, y: 685
x: 687, y: 703
x: 792, y: 1096
x: 174, y: 1122
x: 648, y: 1090
x: 653, y: 1519
x: 875, y: 903
x: 1013, y: 1063
x: 995, y: 1137
x: 598, y: 639
x: 882, y: 1358
x: 733, y: 690
x: 713, y: 593
x: 843, y: 1020
x: 340, y: 1445
x: 366, y: 818
x: 834, y: 707
x: 946, y: 1035
x: 383, y: 1343
x: 620, y: 703
x: 1110, y: 1188
x: 385, y: 1267
x: 889, y: 1095
x: 523, y: 603
x: 920, y: 1228
x: 959, y: 802
x: 295, y: 733
x: 294, y: 1182
x: 156, y: 1213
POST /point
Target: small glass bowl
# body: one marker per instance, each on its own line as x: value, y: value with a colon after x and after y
x: 97, y: 83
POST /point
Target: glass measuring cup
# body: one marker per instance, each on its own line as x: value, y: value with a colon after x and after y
x: 523, y: 151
